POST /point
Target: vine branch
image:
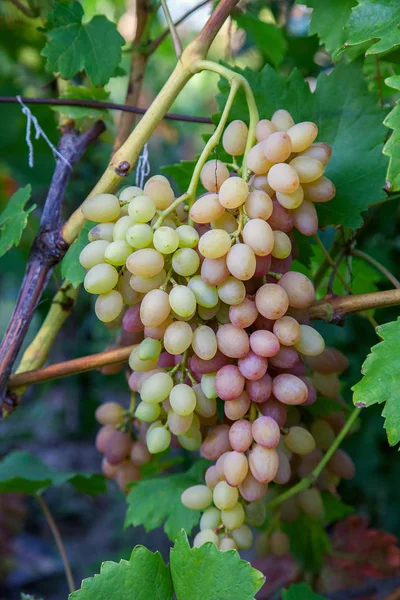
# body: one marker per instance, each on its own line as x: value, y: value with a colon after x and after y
x: 334, y: 309
x: 171, y: 26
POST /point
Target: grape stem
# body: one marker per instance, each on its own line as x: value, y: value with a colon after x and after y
x: 306, y: 482
x: 334, y: 309
x: 378, y: 266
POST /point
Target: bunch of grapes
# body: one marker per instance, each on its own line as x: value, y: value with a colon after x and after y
x: 222, y: 321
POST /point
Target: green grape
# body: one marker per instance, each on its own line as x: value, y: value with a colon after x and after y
x: 182, y: 301
x: 197, y: 497
x: 156, y: 388
x: 208, y: 385
x: 117, y: 252
x: 101, y: 208
x: 207, y: 535
x: 129, y: 193
x: 165, y: 240
x: 233, y: 517
x: 139, y: 235
x: 182, y: 399
x: 101, y: 279
x: 142, y: 209
x: 206, y: 295
x: 149, y: 349
x: 210, y: 519
x: 158, y: 440
x: 108, y: 306
x: 191, y: 443
x: 121, y: 227
x: 102, y: 231
x: 188, y: 236
x: 185, y: 262
x: 147, y: 412
x: 93, y: 253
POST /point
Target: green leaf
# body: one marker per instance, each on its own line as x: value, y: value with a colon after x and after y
x: 23, y: 473
x: 152, y: 502
x: 182, y: 173
x: 80, y: 92
x: 334, y: 508
x: 268, y: 38
x: 381, y: 381
x: 71, y: 268
x: 300, y: 591
x: 374, y: 20
x: 324, y: 407
x: 348, y: 118
x: 309, y: 543
x: 392, y: 146
x: 14, y: 219
x: 205, y: 573
x: 144, y: 576
x: 75, y: 46
x: 328, y: 20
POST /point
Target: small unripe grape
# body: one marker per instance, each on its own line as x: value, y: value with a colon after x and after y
x: 243, y: 537
x: 266, y: 432
x: 142, y: 366
x: 258, y: 205
x: 320, y: 151
x: 215, y: 243
x: 277, y: 147
x: 256, y: 160
x: 227, y: 222
x: 302, y: 135
x: 282, y: 245
x: 225, y: 496
x: 264, y: 129
x: 158, y: 440
x: 311, y: 502
x: 110, y: 413
x: 147, y: 412
x: 108, y: 306
x: 308, y: 169
x: 233, y: 192
x: 188, y: 236
x: 263, y: 463
x: 235, y: 469
x: 126, y: 474
x: 145, y: 263
x: 283, y: 178
x: 130, y: 192
x: 320, y: 190
x: 117, y: 252
x: 287, y: 330
x: 299, y: 440
x: 93, y: 253
x: 155, y: 308
x: 118, y: 447
x: 213, y: 175
x: 279, y: 543
x: 146, y: 284
x: 142, y: 209
x: 306, y: 218
x: 232, y: 291
x: 156, y: 388
x: 311, y: 342
x: 233, y: 341
x: 291, y: 201
x: 233, y: 518
x: 101, y: 279
x: 241, y: 261
x: 235, y: 137
x: 214, y: 270
x: 182, y: 399
x: 197, y: 497
x: 299, y: 289
x: 185, y: 262
x: 139, y: 235
x: 182, y: 301
x: 259, y: 236
x: 191, y: 443
x: 272, y: 301
x: 204, y: 536
x: 204, y: 342
x: 102, y: 231
x: 206, y: 295
x: 206, y: 209
x: 101, y: 208
x: 160, y: 192
x: 178, y: 337
x: 282, y: 120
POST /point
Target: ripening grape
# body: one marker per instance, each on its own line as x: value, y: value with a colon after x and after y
x: 306, y: 218
x: 251, y: 489
x: 197, y: 497
x: 266, y: 432
x: 289, y: 389
x: 235, y: 137
x: 241, y: 261
x: 117, y: 252
x: 320, y: 151
x: 139, y: 235
x: 257, y: 161
x: 308, y: 169
x: 101, y: 279
x: 101, y: 208
x: 263, y: 463
x: 160, y: 192
x: 277, y: 147
x: 243, y: 314
x: 191, y: 443
x: 155, y: 308
x: 206, y: 209
x: 232, y: 291
x: 229, y: 382
x: 264, y: 129
x: 214, y: 243
x: 108, y: 306
x: 188, y: 236
x: 145, y: 263
x: 235, y: 469
x: 233, y: 193
x: 117, y: 447
x: 302, y: 135
x: 232, y: 341
x: 204, y: 342
x: 240, y: 434
x: 258, y: 205
x: 291, y: 201
x: 329, y: 361
x: 260, y: 182
x: 287, y: 330
x: 214, y: 271
x: 213, y: 175
x: 110, y: 413
x: 182, y: 301
x: 282, y: 245
x: 260, y: 389
x: 145, y: 284
x: 284, y: 472
x: 264, y: 343
x: 252, y: 366
x: 282, y: 120
x: 227, y: 222
x: 299, y: 289
x: 93, y: 253
x: 178, y: 337
x: 237, y: 408
x: 320, y: 190
x: 258, y: 235
x: 283, y: 178
x: 311, y: 342
x: 272, y: 301
x: 102, y: 231
x: 216, y: 443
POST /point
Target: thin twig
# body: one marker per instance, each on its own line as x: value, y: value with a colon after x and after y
x: 331, y: 262
x: 47, y: 250
x: 378, y: 266
x: 155, y: 43
x: 58, y: 540
x: 100, y: 105
x: 171, y: 26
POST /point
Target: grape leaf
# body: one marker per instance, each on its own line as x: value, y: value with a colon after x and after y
x: 14, y: 219
x: 143, y: 576
x: 268, y: 38
x: 80, y: 92
x: 205, y: 573
x: 75, y: 46
x: 392, y: 146
x: 309, y: 542
x: 23, y: 473
x: 152, y: 502
x: 324, y: 407
x: 182, y: 173
x: 328, y: 20
x: 348, y: 118
x: 374, y: 21
x: 381, y: 381
x: 334, y: 508
x: 71, y: 268
x: 300, y: 591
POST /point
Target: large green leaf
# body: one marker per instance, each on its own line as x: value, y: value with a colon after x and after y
x: 268, y: 38
x: 381, y: 381
x: 309, y: 542
x: 375, y: 22
x: 392, y: 146
x: 152, y: 502
x: 145, y: 576
x: 348, y: 118
x: 75, y: 46
x: 71, y: 268
x: 328, y: 20
x: 300, y: 591
x: 14, y: 219
x: 23, y: 473
x: 205, y: 573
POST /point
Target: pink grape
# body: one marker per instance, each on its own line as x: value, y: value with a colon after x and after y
x: 240, y: 435
x: 274, y: 409
x: 244, y: 314
x: 286, y: 358
x: 232, y: 341
x: 263, y: 265
x: 266, y: 432
x: 216, y: 443
x: 271, y: 302
x: 251, y: 489
x: 299, y: 289
x: 214, y: 271
x: 263, y: 463
x: 203, y: 367
x: 264, y: 343
x: 281, y: 218
x: 237, y: 408
x: 131, y: 320
x: 229, y: 382
x: 260, y: 390
x: 252, y: 366
x: 289, y: 389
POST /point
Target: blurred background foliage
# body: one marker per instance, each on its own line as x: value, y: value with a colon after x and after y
x: 56, y: 420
